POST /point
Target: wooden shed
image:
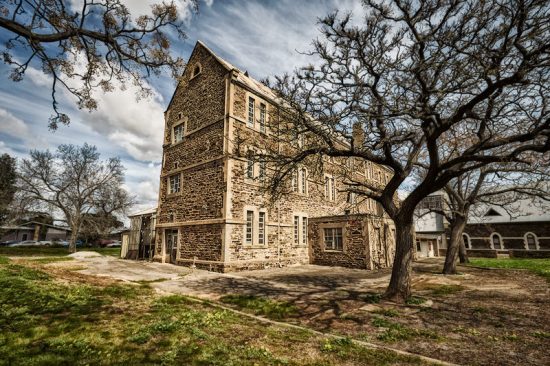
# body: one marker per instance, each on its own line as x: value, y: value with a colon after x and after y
x: 139, y: 243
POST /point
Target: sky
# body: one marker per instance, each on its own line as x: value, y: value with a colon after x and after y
x: 264, y: 37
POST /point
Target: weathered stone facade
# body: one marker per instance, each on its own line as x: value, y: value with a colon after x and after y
x: 211, y: 197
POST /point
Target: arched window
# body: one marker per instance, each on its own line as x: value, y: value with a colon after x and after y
x: 531, y: 242
x: 496, y: 241
x: 196, y: 70
x: 467, y: 242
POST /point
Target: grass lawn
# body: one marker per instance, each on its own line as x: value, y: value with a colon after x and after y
x: 55, y: 252
x: 51, y: 316
x: 538, y: 266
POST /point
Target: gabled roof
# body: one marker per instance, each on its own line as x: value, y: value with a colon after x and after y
x: 526, y: 210
x: 241, y: 77
x: 147, y: 211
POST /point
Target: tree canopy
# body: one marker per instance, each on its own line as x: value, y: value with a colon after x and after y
x: 90, y: 44
x: 411, y: 76
x: 75, y: 182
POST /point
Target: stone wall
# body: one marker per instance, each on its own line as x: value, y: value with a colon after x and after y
x: 362, y: 248
x: 198, y: 103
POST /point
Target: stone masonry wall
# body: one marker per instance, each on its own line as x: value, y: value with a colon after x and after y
x: 361, y: 248
x: 199, y: 103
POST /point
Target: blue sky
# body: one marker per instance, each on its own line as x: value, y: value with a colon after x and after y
x: 262, y: 37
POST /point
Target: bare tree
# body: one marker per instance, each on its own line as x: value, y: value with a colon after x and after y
x: 100, y: 36
x: 7, y: 185
x: 410, y: 76
x: 75, y: 182
x: 500, y: 185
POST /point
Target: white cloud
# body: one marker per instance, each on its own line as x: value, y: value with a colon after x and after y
x: 267, y: 37
x: 12, y: 125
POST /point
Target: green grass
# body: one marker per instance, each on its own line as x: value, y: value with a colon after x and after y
x: 53, y: 252
x: 394, y: 332
x: 44, y: 321
x: 261, y: 306
x: 537, y: 266
x: 442, y: 290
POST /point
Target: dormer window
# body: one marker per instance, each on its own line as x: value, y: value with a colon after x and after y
x: 492, y: 212
x: 196, y: 71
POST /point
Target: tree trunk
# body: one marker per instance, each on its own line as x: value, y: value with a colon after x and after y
x: 462, y: 253
x: 399, y: 289
x: 72, y: 243
x: 457, y: 228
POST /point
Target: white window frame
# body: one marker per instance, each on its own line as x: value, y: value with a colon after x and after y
x: 262, y: 226
x: 299, y: 229
x: 173, y: 191
x: 250, y: 165
x: 296, y: 229
x: 333, y: 230
x: 251, y: 112
x: 263, y: 113
x: 256, y: 228
x: 330, y: 187
x: 262, y: 170
x: 500, y: 238
x: 174, y: 134
x: 304, y: 230
x: 536, y: 240
x: 294, y: 181
x: 249, y: 227
x: 193, y: 74
x: 303, y: 186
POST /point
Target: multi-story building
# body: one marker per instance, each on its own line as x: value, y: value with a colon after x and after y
x: 213, y: 211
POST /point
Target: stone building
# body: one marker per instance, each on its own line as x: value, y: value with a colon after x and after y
x: 213, y: 211
x: 521, y: 229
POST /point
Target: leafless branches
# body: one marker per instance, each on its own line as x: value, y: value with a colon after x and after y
x: 89, y: 47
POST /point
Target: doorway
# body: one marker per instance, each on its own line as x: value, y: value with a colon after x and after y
x: 171, y: 247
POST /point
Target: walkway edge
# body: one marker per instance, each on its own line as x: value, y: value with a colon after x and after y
x: 328, y: 335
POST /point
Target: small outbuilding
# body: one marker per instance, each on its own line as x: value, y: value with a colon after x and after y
x: 138, y: 242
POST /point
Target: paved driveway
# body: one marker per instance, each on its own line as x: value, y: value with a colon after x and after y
x: 298, y: 283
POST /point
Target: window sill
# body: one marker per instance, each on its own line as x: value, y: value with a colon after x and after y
x: 254, y: 246
x: 333, y: 251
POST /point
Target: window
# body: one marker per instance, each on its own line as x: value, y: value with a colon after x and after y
x: 496, y: 241
x: 531, y: 241
x: 466, y: 239
x: 333, y: 239
x: 330, y: 189
x: 303, y: 179
x: 492, y: 212
x: 178, y: 133
x: 294, y: 180
x: 24, y: 237
x: 262, y: 117
x: 261, y: 173
x: 250, y: 168
x: 196, y: 70
x: 261, y: 228
x: 174, y: 183
x: 249, y: 225
x: 251, y: 112
x: 351, y: 198
x: 296, y: 230
x: 418, y: 247
x: 304, y: 230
